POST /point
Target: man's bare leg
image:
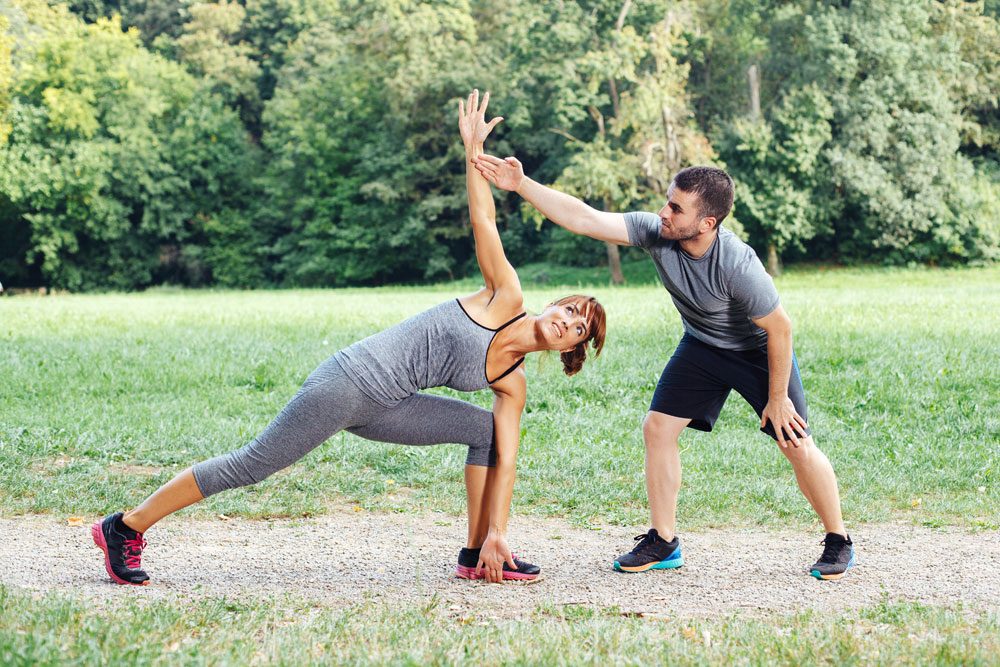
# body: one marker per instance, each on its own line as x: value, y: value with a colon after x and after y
x: 817, y: 482
x: 663, y: 469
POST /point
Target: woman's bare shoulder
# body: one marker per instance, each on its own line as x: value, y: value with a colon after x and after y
x: 493, y: 308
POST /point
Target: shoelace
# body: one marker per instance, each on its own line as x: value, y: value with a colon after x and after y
x: 643, y: 541
x: 830, y: 551
x: 133, y: 552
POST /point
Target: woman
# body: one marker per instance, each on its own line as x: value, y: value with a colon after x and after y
x: 371, y: 389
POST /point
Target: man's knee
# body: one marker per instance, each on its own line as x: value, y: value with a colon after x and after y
x: 803, y: 453
x: 659, y: 429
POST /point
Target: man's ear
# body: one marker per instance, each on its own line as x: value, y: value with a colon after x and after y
x: 711, y: 223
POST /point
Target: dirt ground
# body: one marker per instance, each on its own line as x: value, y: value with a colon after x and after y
x: 347, y: 557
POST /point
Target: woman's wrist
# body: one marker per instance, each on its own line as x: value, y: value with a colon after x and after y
x: 473, y: 150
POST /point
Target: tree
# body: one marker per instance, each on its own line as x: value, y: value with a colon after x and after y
x: 210, y: 46
x: 113, y: 159
x: 857, y: 151
x: 364, y: 183
x: 778, y: 182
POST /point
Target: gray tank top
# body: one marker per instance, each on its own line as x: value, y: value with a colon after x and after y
x: 440, y: 347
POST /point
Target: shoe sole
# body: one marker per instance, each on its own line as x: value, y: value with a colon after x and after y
x: 463, y: 572
x: 834, y: 577
x: 102, y: 544
x: 669, y: 564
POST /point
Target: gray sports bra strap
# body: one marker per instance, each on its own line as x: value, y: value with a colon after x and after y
x: 507, y: 372
x: 510, y: 321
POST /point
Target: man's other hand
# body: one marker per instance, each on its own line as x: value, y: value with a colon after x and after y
x: 506, y: 174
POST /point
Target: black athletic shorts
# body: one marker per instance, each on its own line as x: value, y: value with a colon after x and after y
x: 698, y: 378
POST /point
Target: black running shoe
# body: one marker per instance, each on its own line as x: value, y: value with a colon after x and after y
x: 651, y: 552
x: 837, y: 558
x: 122, y: 549
x: 468, y: 559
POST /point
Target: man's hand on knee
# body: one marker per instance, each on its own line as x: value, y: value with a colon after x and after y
x: 788, y: 425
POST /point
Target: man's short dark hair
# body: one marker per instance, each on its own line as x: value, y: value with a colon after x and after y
x: 714, y: 188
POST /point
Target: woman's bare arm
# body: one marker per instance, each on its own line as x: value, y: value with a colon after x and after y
x: 507, y: 408
x: 497, y: 271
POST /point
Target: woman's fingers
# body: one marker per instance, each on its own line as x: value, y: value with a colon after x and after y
x: 493, y: 123
x: 486, y: 102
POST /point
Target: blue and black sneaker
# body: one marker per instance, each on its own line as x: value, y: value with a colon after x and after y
x: 651, y: 552
x: 837, y: 558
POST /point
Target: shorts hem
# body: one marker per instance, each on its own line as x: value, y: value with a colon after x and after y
x: 696, y: 423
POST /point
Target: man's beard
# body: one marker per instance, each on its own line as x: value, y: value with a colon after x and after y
x: 677, y: 234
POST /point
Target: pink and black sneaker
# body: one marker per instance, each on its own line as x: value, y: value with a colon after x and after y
x: 122, y: 549
x: 469, y: 558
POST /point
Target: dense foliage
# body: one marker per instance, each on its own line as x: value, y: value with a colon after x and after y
x: 313, y: 142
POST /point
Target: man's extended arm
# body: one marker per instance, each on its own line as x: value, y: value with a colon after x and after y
x: 564, y: 210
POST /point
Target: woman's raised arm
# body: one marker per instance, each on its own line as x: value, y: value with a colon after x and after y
x: 498, y: 273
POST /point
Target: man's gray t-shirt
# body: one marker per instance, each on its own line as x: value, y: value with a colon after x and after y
x: 718, y: 293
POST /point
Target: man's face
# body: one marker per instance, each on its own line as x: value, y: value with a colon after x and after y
x: 680, y: 218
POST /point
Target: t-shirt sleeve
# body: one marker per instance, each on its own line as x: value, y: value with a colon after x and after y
x: 752, y: 287
x: 643, y: 228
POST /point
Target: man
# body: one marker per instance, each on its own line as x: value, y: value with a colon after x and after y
x: 737, y: 336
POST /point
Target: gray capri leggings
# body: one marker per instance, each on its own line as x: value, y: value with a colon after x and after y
x: 329, y: 402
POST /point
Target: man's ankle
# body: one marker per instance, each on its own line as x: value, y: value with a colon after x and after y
x: 667, y: 534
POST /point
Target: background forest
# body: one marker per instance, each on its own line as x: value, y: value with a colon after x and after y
x: 314, y: 142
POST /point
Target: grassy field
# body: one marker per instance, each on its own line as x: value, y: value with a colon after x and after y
x: 64, y: 631
x: 107, y: 396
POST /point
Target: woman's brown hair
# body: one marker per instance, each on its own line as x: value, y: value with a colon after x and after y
x: 593, y: 311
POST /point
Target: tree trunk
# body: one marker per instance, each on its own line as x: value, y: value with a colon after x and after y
x: 773, y: 261
x: 753, y: 79
x: 615, y: 264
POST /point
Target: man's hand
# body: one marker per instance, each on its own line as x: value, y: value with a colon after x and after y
x: 492, y: 556
x: 506, y: 174
x: 472, y: 120
x: 785, y: 420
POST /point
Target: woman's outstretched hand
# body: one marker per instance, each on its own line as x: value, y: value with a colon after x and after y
x: 506, y: 174
x: 472, y: 119
x: 492, y: 557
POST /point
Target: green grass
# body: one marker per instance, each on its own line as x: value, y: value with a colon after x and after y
x: 59, y: 630
x: 107, y: 396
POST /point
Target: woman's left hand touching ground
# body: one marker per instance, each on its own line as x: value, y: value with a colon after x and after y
x: 492, y: 557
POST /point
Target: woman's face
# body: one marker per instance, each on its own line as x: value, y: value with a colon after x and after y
x: 562, y: 326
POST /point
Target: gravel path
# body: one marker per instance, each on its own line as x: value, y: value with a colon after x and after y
x: 331, y: 560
